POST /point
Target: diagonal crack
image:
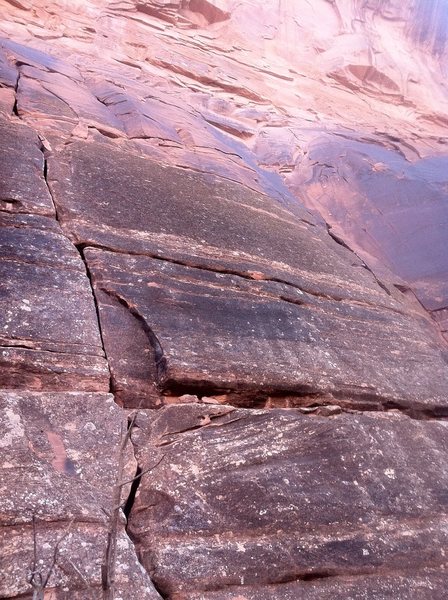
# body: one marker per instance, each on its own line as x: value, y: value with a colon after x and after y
x: 160, y: 360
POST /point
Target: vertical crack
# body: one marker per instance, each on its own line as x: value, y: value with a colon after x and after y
x: 97, y: 311
x: 132, y: 493
x: 130, y: 501
x: 44, y: 150
x: 15, y: 110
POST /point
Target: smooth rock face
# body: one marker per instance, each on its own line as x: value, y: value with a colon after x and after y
x: 59, y: 454
x: 390, y: 209
x: 244, y: 498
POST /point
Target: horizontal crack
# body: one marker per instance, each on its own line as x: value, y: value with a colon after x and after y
x: 11, y: 346
x: 324, y: 574
x: 226, y: 271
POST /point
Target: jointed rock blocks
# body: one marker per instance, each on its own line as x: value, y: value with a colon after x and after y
x: 155, y: 163
x: 49, y: 336
x: 58, y: 467
x: 214, y: 333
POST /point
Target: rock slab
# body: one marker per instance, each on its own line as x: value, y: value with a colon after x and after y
x: 59, y: 456
x: 261, y: 498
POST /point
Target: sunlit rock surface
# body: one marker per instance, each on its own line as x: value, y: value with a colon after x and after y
x: 232, y: 215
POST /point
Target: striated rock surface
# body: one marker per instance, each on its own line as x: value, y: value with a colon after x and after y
x: 57, y: 471
x: 243, y: 498
x: 49, y: 332
x: 230, y: 216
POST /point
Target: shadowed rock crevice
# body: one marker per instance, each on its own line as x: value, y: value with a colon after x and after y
x: 131, y: 498
x: 15, y: 111
x: 159, y: 357
x: 135, y: 355
x: 342, y: 243
x: 88, y: 274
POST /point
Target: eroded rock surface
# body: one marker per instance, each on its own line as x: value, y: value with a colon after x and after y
x: 262, y: 341
x: 261, y: 303
x: 233, y: 204
x: 59, y: 456
x: 245, y: 498
x: 49, y: 331
x: 22, y: 185
x: 424, y: 585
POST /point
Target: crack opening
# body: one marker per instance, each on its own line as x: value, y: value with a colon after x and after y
x: 15, y: 110
x: 313, y: 576
x: 98, y: 317
x: 163, y: 593
x: 132, y: 493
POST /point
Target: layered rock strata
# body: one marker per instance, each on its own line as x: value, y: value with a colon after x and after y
x: 230, y: 217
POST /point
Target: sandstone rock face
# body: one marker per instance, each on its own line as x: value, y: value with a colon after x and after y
x: 230, y: 216
x: 50, y: 337
x: 58, y: 471
x: 213, y: 333
x: 426, y: 585
x: 249, y: 498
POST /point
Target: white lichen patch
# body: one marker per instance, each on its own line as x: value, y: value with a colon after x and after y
x: 12, y: 428
x: 390, y: 473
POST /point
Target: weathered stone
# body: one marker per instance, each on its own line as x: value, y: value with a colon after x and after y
x: 34, y: 99
x: 118, y: 200
x: 423, y: 585
x: 22, y: 184
x: 130, y: 353
x: 256, y: 498
x: 55, y: 95
x: 390, y: 210
x: 8, y: 71
x: 59, y: 456
x: 208, y: 332
x: 204, y: 125
x: 49, y: 330
x: 7, y: 100
x: 130, y: 203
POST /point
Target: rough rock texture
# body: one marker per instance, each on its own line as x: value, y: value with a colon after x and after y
x: 209, y: 208
x: 49, y: 333
x: 424, y: 585
x: 240, y: 284
x: 242, y: 497
x: 22, y: 188
x: 211, y: 332
x: 56, y: 469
